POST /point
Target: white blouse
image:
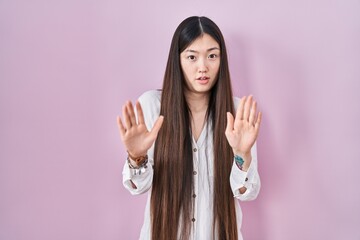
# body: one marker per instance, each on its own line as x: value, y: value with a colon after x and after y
x: 203, y: 176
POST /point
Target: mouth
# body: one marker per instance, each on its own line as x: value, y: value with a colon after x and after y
x: 202, y: 78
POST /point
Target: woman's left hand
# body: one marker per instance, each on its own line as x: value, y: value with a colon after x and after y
x: 242, y: 131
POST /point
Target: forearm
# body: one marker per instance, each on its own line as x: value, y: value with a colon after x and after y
x: 137, y: 180
x: 244, y: 180
x: 244, y: 166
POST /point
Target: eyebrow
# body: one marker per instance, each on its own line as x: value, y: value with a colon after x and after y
x: 209, y: 50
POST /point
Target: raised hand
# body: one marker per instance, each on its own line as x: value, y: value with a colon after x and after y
x: 134, y: 134
x: 242, y: 132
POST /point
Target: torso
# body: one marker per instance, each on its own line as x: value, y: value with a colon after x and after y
x: 198, y: 104
x: 197, y: 124
x: 202, y: 145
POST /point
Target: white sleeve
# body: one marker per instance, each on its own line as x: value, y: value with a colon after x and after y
x: 150, y: 104
x: 142, y: 182
x: 249, y: 179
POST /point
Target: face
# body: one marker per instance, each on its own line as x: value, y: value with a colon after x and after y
x: 200, y: 63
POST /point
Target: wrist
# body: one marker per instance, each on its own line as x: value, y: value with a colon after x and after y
x: 242, y: 160
x: 244, y: 155
x: 133, y: 163
x: 139, y: 165
x: 134, y: 155
x: 137, y: 161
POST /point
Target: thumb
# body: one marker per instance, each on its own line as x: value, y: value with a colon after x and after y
x: 230, y: 122
x: 156, y: 128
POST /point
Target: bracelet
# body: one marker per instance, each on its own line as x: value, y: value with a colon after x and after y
x: 239, y: 161
x: 138, y: 160
x: 138, y: 170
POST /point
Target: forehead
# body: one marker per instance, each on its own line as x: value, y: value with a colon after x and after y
x: 203, y: 43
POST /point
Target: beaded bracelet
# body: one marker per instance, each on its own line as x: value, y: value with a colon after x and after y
x: 239, y: 161
x: 139, y: 160
x: 141, y: 168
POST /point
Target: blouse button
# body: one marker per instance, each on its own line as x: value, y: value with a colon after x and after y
x: 246, y: 179
x: 194, y: 172
x: 193, y: 219
x: 195, y: 149
x: 194, y: 195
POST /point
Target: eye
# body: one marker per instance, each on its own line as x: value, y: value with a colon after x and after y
x: 191, y: 57
x: 213, y: 56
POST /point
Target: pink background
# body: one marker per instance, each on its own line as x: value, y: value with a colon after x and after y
x: 66, y: 68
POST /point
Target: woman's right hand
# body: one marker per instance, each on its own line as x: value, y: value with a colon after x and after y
x: 135, y: 136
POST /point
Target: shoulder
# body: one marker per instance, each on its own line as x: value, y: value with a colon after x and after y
x: 150, y: 102
x: 150, y: 97
x: 236, y: 102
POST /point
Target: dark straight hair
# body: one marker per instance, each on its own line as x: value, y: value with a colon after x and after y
x: 171, y: 196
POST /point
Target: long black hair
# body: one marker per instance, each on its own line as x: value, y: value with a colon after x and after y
x: 172, y: 188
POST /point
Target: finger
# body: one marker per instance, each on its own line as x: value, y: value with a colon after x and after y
x: 247, y: 106
x: 156, y: 128
x: 240, y: 111
x: 131, y: 112
x: 121, y: 126
x: 230, y: 122
x: 258, y: 121
x: 126, y: 118
x: 252, y: 113
x: 140, y: 113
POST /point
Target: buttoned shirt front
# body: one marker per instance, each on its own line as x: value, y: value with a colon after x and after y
x: 202, y: 175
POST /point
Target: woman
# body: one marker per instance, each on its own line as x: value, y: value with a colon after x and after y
x: 199, y: 154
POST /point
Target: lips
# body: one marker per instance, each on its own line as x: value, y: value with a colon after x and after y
x: 203, y: 80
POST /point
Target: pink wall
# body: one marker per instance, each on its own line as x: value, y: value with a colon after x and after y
x: 66, y: 67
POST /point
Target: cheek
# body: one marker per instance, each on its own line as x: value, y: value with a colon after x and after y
x: 186, y: 69
x: 215, y: 67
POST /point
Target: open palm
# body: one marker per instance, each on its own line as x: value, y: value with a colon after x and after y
x: 242, y: 131
x: 134, y: 134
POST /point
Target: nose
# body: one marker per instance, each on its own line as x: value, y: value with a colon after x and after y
x: 202, y: 68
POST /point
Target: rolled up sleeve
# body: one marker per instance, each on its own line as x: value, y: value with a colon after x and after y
x: 249, y: 179
x: 142, y: 182
x: 150, y: 103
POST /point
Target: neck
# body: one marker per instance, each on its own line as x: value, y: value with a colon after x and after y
x: 198, y: 102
